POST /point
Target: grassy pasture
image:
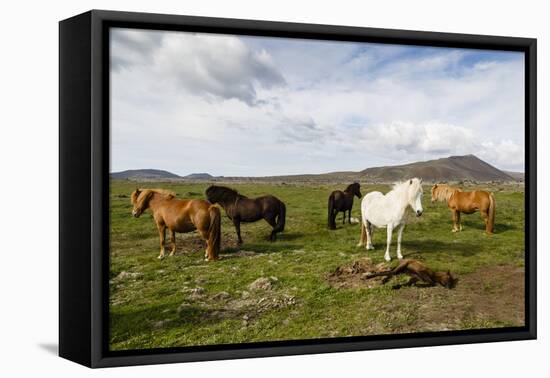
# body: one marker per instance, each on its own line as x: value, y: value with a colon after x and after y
x: 184, y: 300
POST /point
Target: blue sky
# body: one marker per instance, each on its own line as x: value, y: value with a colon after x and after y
x: 255, y: 106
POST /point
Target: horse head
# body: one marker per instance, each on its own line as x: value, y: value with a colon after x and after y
x: 449, y: 281
x: 221, y: 195
x: 434, y: 193
x: 354, y: 189
x: 415, y: 195
x: 140, y: 201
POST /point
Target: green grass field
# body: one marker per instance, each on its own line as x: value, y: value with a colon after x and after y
x: 185, y: 301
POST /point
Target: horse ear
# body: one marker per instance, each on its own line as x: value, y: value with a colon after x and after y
x: 421, y: 180
x: 411, y: 181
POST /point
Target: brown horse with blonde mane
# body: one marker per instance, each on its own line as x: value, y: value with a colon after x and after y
x: 467, y: 203
x: 180, y: 216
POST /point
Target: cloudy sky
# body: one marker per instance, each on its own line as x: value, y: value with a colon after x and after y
x: 254, y: 106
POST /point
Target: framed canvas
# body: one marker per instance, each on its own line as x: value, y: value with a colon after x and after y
x: 234, y: 188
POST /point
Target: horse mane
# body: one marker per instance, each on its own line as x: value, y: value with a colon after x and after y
x: 401, y: 184
x: 404, y: 186
x: 350, y: 187
x: 442, y: 192
x: 222, y: 194
x: 139, y: 195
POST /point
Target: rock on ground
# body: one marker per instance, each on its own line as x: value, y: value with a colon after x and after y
x: 262, y: 283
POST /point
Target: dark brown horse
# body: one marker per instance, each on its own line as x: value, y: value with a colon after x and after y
x: 180, y: 216
x: 240, y: 208
x: 342, y: 201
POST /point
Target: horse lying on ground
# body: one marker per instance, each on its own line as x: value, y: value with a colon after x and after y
x: 388, y: 211
x: 342, y: 201
x: 240, y: 208
x: 418, y: 272
x: 467, y: 203
x: 180, y: 216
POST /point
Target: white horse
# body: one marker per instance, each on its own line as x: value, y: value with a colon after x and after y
x: 388, y: 211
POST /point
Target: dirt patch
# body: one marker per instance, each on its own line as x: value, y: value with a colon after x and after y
x: 489, y: 297
x: 353, y: 275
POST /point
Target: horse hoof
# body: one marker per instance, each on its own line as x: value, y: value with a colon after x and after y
x: 160, y: 257
x: 387, y: 258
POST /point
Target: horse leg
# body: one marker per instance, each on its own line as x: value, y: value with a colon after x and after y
x: 362, y: 239
x: 349, y: 216
x: 485, y: 217
x: 459, y: 221
x: 410, y: 282
x: 370, y: 234
x: 162, y: 235
x: 204, y: 235
x: 455, y: 217
x: 388, y: 242
x: 173, y: 241
x: 344, y: 218
x: 273, y: 224
x: 399, y: 235
x: 237, y: 223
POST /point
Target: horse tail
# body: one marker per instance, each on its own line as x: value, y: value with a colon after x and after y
x: 214, y: 233
x: 331, y: 217
x: 491, y: 211
x: 280, y: 226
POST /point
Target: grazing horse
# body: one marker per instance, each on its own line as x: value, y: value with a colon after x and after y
x: 388, y: 211
x: 240, y: 208
x: 467, y: 203
x: 180, y: 216
x: 342, y: 201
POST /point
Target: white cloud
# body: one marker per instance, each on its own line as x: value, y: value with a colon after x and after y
x: 205, y: 65
x: 260, y: 106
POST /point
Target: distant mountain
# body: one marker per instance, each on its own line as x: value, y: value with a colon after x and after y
x: 468, y: 167
x: 519, y: 176
x: 144, y: 174
x: 199, y: 176
x: 453, y: 168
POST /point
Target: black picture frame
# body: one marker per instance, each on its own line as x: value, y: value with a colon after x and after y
x: 84, y: 187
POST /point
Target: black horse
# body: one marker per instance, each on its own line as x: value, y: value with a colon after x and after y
x: 342, y: 201
x: 240, y: 208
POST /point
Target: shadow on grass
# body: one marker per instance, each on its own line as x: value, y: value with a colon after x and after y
x: 260, y: 248
x: 499, y: 227
x: 427, y: 246
x: 167, y: 316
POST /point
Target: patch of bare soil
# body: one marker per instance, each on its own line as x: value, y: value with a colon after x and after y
x: 353, y: 275
x: 187, y: 243
x: 490, y: 297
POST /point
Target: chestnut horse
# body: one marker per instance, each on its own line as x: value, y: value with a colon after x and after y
x: 240, y: 208
x: 467, y: 203
x: 180, y: 216
x: 342, y: 201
